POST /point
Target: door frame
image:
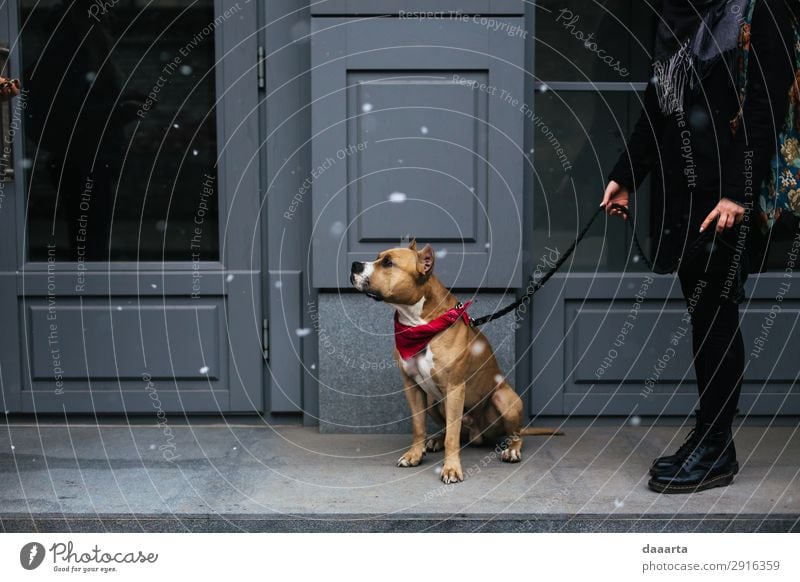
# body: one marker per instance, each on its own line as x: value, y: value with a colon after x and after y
x: 234, y: 280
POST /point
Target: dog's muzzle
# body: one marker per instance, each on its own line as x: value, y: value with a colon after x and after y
x: 359, y: 278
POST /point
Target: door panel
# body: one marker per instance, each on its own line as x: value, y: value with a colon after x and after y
x: 439, y: 206
x: 611, y: 344
x: 97, y: 341
x: 417, y: 132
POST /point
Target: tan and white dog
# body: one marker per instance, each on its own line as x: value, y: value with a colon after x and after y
x: 455, y: 378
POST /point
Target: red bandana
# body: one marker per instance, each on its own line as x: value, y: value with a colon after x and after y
x: 412, y: 339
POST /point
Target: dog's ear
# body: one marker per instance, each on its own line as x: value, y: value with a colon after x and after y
x: 413, y: 244
x: 425, y: 259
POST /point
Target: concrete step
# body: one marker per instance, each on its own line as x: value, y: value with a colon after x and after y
x: 225, y: 477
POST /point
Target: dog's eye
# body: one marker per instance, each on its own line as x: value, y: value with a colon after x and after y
x: 386, y: 262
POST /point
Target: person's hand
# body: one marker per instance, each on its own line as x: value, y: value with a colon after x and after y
x: 615, y: 193
x: 726, y: 213
x: 8, y: 88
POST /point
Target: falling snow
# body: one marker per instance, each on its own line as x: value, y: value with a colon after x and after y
x: 441, y: 253
x: 204, y: 370
x: 423, y: 130
x: 498, y: 378
x: 302, y: 331
x: 477, y: 348
x: 618, y: 503
x: 636, y: 420
x: 278, y: 284
x: 397, y: 197
x: 229, y: 278
x: 337, y: 228
x: 366, y: 107
x: 300, y: 31
x: 186, y: 70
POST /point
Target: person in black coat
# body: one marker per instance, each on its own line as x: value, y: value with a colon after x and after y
x: 710, y: 156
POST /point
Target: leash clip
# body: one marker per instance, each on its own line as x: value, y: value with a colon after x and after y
x: 470, y: 319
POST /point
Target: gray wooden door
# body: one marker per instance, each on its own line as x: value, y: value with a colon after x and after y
x: 130, y: 264
x: 608, y: 338
x: 417, y: 132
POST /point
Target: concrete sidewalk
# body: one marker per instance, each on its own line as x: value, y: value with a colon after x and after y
x: 225, y: 477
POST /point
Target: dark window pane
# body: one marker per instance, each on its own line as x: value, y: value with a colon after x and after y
x: 578, y: 137
x: 606, y: 40
x: 120, y: 129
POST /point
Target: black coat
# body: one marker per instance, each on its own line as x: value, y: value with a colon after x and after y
x: 696, y: 157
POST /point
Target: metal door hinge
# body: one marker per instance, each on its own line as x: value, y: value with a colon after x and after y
x: 261, y: 68
x: 265, y: 339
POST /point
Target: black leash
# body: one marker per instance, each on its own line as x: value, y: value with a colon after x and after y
x: 478, y: 321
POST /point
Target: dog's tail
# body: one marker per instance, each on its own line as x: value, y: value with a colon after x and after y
x: 529, y: 431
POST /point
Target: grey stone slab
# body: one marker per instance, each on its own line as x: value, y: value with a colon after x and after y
x: 267, y: 478
x: 360, y: 388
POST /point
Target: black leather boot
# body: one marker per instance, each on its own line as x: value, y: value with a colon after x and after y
x: 712, y: 463
x: 671, y: 463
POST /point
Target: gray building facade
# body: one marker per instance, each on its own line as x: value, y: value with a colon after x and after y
x: 184, y: 185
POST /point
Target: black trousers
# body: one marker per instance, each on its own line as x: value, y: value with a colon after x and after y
x: 713, y: 285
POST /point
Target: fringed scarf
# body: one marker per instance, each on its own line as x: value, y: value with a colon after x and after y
x: 692, y: 36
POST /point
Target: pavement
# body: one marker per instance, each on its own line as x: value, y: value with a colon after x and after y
x: 245, y: 477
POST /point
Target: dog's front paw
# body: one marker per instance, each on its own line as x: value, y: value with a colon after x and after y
x: 511, y: 456
x: 452, y: 473
x: 412, y: 458
x: 434, y: 444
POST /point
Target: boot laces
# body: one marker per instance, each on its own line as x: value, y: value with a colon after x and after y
x: 689, y: 444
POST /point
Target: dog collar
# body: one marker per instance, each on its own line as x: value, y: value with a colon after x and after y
x: 412, y: 339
